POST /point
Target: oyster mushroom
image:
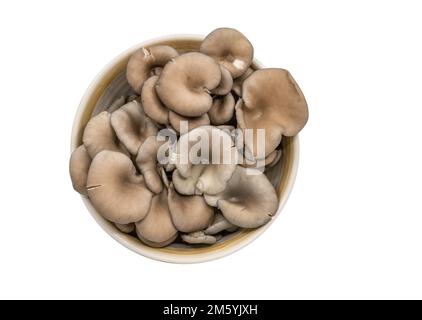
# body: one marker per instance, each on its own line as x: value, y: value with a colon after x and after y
x: 115, y: 189
x: 270, y: 161
x: 210, y: 171
x: 272, y: 101
x: 149, y: 160
x: 176, y: 121
x: 226, y: 83
x: 132, y: 126
x: 147, y: 62
x: 222, y: 109
x: 99, y: 135
x: 230, y: 48
x: 220, y: 224
x: 153, y: 107
x: 157, y: 228
x: 79, y: 164
x: 189, y: 213
x: 185, y: 84
x: 249, y: 199
x: 125, y: 228
x: 237, y: 83
x: 199, y: 237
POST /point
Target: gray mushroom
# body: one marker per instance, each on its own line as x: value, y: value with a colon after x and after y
x: 185, y: 84
x: 249, y: 199
x: 157, y: 228
x: 189, y: 213
x: 226, y: 83
x: 99, y: 135
x: 79, y: 164
x: 222, y: 109
x: 271, y: 100
x: 199, y: 237
x: 125, y: 228
x: 147, y: 62
x: 230, y: 48
x: 220, y: 224
x: 132, y: 126
x: 116, y: 190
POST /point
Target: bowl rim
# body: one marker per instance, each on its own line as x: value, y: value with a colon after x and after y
x: 129, y: 241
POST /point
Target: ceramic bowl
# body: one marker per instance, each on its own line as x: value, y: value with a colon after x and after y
x: 110, y: 84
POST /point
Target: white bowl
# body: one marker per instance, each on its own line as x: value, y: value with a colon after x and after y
x: 111, y: 84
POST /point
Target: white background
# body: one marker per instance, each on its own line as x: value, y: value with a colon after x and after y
x: 352, y: 227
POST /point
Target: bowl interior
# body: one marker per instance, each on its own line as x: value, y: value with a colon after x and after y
x: 109, y: 85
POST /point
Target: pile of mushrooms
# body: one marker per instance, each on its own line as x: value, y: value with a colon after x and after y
x: 120, y: 165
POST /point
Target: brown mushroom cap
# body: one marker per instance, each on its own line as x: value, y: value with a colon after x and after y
x: 147, y: 163
x: 132, y: 126
x: 185, y: 83
x: 157, y: 226
x: 143, y: 63
x: 99, y: 135
x: 157, y: 244
x: 207, y: 176
x: 153, y: 107
x: 222, y: 109
x: 189, y: 213
x: 115, y: 189
x: 272, y: 101
x: 125, y: 228
x: 226, y: 82
x: 230, y: 48
x: 270, y: 161
x: 79, y: 164
x: 220, y: 224
x: 237, y: 83
x: 187, y: 185
x: 199, y: 237
x: 249, y: 199
x: 193, y: 122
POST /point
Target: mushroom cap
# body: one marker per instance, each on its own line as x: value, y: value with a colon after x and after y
x: 209, y: 172
x: 157, y: 226
x: 143, y: 63
x: 125, y: 228
x: 153, y: 107
x: 230, y: 48
x: 273, y: 158
x: 219, y: 224
x: 115, y: 189
x: 272, y: 101
x: 222, y: 109
x: 193, y: 122
x: 226, y: 82
x: 185, y: 83
x: 237, y: 83
x: 99, y: 135
x: 199, y: 237
x: 157, y: 244
x: 270, y: 161
x: 189, y: 213
x: 147, y: 163
x: 249, y: 199
x: 79, y: 164
x: 132, y: 126
x: 187, y: 185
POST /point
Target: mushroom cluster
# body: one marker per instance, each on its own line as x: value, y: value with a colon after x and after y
x: 135, y: 162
